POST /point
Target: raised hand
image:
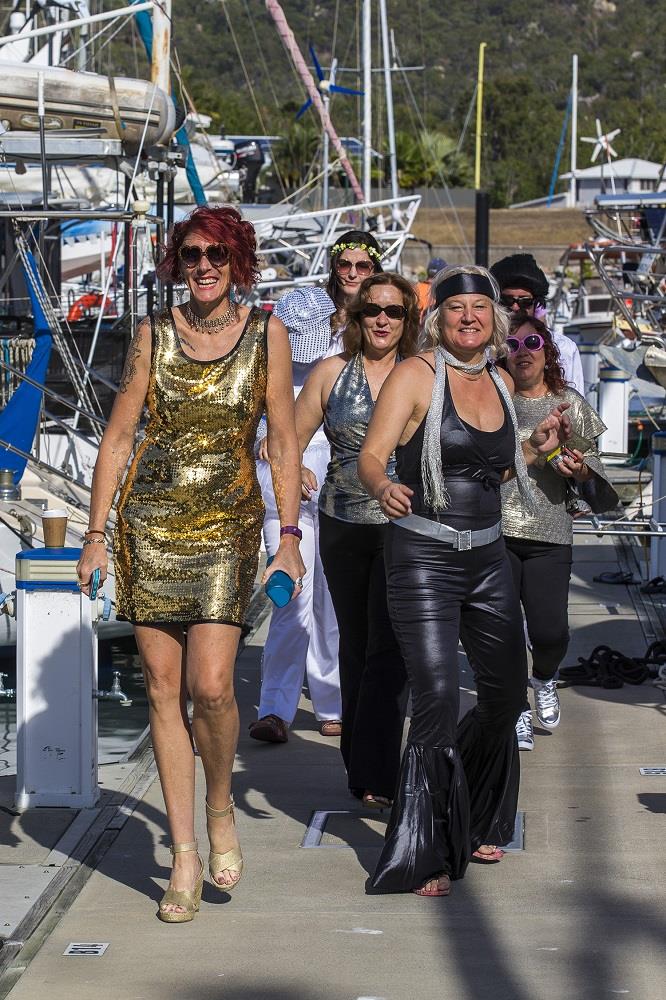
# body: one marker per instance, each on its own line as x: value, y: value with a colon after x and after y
x: 551, y: 432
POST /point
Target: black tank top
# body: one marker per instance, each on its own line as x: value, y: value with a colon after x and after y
x: 473, y: 462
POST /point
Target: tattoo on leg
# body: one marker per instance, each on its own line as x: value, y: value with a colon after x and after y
x: 129, y: 371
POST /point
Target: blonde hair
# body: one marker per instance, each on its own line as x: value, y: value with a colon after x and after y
x: 433, y: 329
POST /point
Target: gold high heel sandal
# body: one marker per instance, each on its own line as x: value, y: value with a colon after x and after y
x: 231, y: 860
x: 190, y: 900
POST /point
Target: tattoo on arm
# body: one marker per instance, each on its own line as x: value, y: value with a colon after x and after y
x: 129, y: 371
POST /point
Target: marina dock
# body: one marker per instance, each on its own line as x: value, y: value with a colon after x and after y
x: 575, y: 911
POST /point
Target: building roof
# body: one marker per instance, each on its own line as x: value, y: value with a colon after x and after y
x: 629, y: 168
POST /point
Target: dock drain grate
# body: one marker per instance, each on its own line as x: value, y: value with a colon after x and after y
x: 653, y: 772
x: 87, y: 949
x: 360, y: 829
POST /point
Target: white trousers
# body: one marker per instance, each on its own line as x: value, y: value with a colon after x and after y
x: 303, y: 636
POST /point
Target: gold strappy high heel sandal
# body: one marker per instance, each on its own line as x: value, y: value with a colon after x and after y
x: 190, y: 900
x: 231, y: 860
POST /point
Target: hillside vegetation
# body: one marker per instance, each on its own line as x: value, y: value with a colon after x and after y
x: 236, y: 69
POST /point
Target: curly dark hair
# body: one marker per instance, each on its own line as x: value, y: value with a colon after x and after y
x: 220, y: 224
x: 353, y: 335
x: 352, y: 236
x: 553, y: 374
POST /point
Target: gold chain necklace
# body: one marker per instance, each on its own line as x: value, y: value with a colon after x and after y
x: 211, y: 326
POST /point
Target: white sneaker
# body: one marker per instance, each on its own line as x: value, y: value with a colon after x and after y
x: 524, y: 731
x: 547, y: 703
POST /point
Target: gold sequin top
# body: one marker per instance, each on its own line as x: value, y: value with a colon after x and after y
x: 190, y: 511
x: 552, y: 523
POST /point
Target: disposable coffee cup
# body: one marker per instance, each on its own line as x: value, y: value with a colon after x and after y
x: 54, y: 523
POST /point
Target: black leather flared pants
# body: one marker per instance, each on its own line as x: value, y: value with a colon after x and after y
x: 458, y: 784
x: 373, y: 681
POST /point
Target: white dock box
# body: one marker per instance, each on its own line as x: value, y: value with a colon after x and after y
x: 56, y: 680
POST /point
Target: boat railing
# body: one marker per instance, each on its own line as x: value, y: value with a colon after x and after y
x: 315, y: 232
x: 619, y: 295
x: 40, y: 465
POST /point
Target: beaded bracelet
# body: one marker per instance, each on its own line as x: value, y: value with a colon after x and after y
x: 94, y: 541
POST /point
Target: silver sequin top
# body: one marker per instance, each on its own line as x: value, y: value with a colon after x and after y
x: 551, y: 523
x: 348, y: 412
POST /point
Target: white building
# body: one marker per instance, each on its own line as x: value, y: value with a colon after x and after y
x: 630, y: 175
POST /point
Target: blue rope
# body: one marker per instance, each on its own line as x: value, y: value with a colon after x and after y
x: 558, y: 155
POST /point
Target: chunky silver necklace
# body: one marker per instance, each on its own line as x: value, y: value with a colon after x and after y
x: 211, y: 326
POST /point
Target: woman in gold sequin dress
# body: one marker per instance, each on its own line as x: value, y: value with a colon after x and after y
x: 189, y: 520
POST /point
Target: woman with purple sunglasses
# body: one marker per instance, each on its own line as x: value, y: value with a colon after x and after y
x: 539, y: 542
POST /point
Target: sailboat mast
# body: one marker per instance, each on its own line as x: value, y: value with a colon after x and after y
x: 160, y: 71
x: 388, y: 84
x: 366, y: 54
x: 479, y: 117
x: 286, y: 34
x: 574, y: 131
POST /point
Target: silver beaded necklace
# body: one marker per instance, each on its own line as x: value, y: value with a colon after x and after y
x: 211, y: 326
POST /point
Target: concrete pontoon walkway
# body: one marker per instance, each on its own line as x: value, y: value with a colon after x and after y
x: 580, y: 913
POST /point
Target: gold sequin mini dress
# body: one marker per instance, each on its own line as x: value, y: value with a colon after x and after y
x: 190, y: 511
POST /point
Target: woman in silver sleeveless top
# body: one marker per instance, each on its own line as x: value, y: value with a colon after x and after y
x: 341, y: 391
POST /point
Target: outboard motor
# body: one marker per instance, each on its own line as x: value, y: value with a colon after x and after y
x: 249, y: 160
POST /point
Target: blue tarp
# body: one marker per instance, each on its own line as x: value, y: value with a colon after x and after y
x: 18, y: 420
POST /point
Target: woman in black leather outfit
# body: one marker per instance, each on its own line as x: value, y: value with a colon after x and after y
x: 449, y: 413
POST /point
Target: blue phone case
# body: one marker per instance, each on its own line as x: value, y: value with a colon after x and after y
x: 279, y: 587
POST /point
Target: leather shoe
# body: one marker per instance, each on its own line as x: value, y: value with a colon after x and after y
x: 270, y: 729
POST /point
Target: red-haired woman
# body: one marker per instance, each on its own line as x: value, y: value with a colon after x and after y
x: 189, y: 520
x: 539, y: 542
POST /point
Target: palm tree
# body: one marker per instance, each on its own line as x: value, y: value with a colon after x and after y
x: 430, y: 159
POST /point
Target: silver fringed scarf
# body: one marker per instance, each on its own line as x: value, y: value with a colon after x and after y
x: 435, y: 492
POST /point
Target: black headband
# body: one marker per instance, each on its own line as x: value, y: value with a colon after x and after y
x: 464, y: 284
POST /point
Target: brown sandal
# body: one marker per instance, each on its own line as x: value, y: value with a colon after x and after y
x: 331, y: 727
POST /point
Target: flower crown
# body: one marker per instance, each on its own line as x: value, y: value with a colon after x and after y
x: 371, y: 252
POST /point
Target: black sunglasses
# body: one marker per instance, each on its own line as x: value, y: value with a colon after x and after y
x: 522, y: 301
x: 342, y: 265
x: 372, y: 310
x: 216, y: 254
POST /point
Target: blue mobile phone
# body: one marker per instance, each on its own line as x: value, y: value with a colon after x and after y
x: 94, y: 584
x: 279, y: 587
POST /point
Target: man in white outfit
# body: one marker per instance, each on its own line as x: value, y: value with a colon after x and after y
x: 303, y: 635
x: 524, y: 287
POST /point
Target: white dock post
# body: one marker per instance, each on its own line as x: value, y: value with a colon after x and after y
x: 658, y: 545
x: 589, y: 356
x: 56, y: 679
x: 614, y: 411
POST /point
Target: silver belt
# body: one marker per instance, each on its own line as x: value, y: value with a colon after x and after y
x: 462, y: 541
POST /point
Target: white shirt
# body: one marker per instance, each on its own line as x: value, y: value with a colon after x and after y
x: 570, y: 361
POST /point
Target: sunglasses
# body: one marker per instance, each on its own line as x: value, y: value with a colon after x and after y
x: 372, y: 310
x: 522, y: 301
x: 364, y: 267
x: 216, y: 254
x: 533, y: 342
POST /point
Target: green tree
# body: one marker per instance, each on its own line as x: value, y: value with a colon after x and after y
x: 429, y: 158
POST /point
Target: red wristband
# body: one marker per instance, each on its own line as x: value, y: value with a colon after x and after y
x: 291, y: 529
